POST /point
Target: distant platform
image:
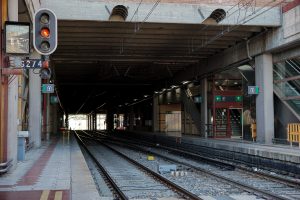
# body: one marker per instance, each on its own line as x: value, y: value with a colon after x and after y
x: 280, y: 157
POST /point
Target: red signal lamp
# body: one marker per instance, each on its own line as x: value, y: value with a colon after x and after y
x: 45, y: 32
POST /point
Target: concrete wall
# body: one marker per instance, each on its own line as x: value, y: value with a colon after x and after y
x: 32, y: 6
x: 191, y: 12
x: 282, y: 42
x: 283, y: 116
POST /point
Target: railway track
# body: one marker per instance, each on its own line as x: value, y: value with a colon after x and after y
x: 269, y: 187
x: 128, y: 178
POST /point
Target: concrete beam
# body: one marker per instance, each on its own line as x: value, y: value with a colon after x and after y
x: 163, y: 13
x: 277, y: 41
x: 290, y: 53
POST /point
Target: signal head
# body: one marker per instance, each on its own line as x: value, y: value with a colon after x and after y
x: 45, y: 32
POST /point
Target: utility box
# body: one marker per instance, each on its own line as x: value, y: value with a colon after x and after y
x: 166, y: 168
x: 22, y: 144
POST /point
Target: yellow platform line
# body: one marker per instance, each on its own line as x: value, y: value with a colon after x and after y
x: 45, y: 195
x: 58, y: 195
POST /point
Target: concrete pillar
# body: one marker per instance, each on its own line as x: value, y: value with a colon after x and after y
x: 264, y: 100
x: 48, y: 124
x: 35, y: 108
x: 53, y: 119
x: 155, y: 126
x: 109, y: 120
x: 12, y: 120
x: 131, y: 119
x: 94, y: 121
x: 88, y: 122
x: 67, y: 121
x: 204, y: 107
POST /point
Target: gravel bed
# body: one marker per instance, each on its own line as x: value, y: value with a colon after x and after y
x: 101, y: 185
x: 131, y: 180
x: 238, y: 175
x: 196, y: 182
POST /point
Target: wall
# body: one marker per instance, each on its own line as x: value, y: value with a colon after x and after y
x: 163, y: 110
x: 165, y: 12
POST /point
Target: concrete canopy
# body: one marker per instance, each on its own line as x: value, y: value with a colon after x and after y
x: 122, y: 61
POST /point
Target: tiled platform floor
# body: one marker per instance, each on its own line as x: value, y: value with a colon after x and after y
x: 57, y: 170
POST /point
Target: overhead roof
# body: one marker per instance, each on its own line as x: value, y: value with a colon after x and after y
x: 100, y: 62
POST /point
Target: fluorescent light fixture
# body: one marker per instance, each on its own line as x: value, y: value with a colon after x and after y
x: 185, y: 82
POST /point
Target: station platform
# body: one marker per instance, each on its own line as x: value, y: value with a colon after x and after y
x: 55, y: 171
x: 284, y: 153
x: 274, y: 156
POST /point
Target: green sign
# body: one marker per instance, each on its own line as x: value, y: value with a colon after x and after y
x: 218, y: 98
x: 238, y: 98
x: 198, y: 99
x: 53, y: 99
x: 47, y: 88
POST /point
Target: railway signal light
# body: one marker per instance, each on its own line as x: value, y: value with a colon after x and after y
x: 45, y: 72
x: 45, y: 32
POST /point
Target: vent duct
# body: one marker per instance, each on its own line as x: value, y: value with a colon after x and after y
x: 215, y: 17
x: 119, y: 13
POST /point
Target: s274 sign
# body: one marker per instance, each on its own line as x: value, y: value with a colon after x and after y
x: 31, y: 63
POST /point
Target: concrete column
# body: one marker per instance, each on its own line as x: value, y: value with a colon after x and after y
x: 109, y: 120
x: 264, y: 100
x: 155, y: 123
x: 53, y: 119
x: 94, y: 121
x: 35, y: 108
x: 48, y: 125
x: 88, y: 122
x: 204, y: 107
x: 12, y: 120
x: 131, y: 118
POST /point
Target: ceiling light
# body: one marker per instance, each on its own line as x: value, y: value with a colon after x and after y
x: 185, y: 82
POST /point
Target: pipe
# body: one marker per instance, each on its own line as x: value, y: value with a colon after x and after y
x: 248, y: 52
x: 215, y: 17
x: 7, y: 165
x: 119, y: 13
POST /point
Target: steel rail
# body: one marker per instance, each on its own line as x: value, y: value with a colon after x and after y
x: 220, y: 163
x: 241, y: 185
x: 117, y: 190
x: 183, y: 192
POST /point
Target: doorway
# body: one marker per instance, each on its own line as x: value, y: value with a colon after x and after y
x: 228, y: 123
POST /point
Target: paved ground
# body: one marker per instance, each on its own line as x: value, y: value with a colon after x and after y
x: 57, y: 170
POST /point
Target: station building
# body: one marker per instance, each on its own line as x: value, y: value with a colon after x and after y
x: 210, y: 69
